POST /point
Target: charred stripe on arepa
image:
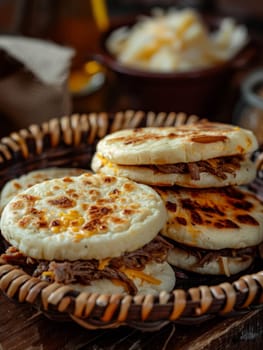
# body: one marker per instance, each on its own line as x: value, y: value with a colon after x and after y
x: 208, y: 138
x: 247, y: 219
x: 62, y: 202
x: 136, y: 139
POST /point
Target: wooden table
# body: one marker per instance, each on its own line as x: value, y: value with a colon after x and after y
x: 23, y: 328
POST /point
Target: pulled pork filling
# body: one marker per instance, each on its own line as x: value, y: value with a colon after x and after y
x: 86, y: 271
x: 204, y: 256
x: 218, y: 167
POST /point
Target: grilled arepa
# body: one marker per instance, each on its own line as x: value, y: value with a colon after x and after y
x: 14, y: 186
x: 92, y: 231
x: 214, y: 231
x: 204, y: 154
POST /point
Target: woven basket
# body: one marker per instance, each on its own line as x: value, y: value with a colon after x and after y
x: 71, y: 141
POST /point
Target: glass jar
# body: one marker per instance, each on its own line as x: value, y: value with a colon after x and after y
x: 249, y: 110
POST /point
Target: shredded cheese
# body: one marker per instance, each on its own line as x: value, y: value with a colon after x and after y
x: 120, y: 283
x: 47, y: 274
x: 141, y: 275
x: 103, y: 263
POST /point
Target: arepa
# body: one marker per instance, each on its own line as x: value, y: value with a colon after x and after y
x: 214, y: 231
x: 203, y: 154
x: 90, y: 230
x: 14, y: 186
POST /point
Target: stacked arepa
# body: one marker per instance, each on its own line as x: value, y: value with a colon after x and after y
x: 214, y: 224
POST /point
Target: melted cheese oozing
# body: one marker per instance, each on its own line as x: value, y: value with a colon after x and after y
x: 68, y: 220
x: 107, y: 163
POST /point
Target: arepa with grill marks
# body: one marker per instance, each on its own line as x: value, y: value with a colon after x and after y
x: 94, y: 232
x: 16, y: 185
x: 206, y: 225
x: 83, y: 217
x: 199, y: 155
x: 170, y: 145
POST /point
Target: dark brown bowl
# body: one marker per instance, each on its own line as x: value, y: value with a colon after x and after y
x: 193, y: 92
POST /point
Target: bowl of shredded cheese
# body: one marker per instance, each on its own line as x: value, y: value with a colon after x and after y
x: 176, y: 60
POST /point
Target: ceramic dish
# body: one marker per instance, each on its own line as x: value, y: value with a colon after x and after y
x: 197, y: 91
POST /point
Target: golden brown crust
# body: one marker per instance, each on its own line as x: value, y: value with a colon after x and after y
x: 170, y: 145
x: 83, y: 217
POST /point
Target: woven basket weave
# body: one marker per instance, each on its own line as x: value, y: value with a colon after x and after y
x: 71, y: 141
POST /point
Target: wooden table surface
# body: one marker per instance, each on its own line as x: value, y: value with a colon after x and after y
x: 23, y: 328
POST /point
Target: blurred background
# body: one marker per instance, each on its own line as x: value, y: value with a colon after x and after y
x: 90, y: 87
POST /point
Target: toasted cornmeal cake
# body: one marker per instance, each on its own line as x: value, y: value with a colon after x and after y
x: 94, y: 233
x: 214, y: 231
x: 84, y: 217
x: 229, y: 217
x: 204, y: 154
x: 170, y: 145
x: 14, y: 186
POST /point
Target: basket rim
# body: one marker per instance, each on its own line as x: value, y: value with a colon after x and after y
x: 80, y: 132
